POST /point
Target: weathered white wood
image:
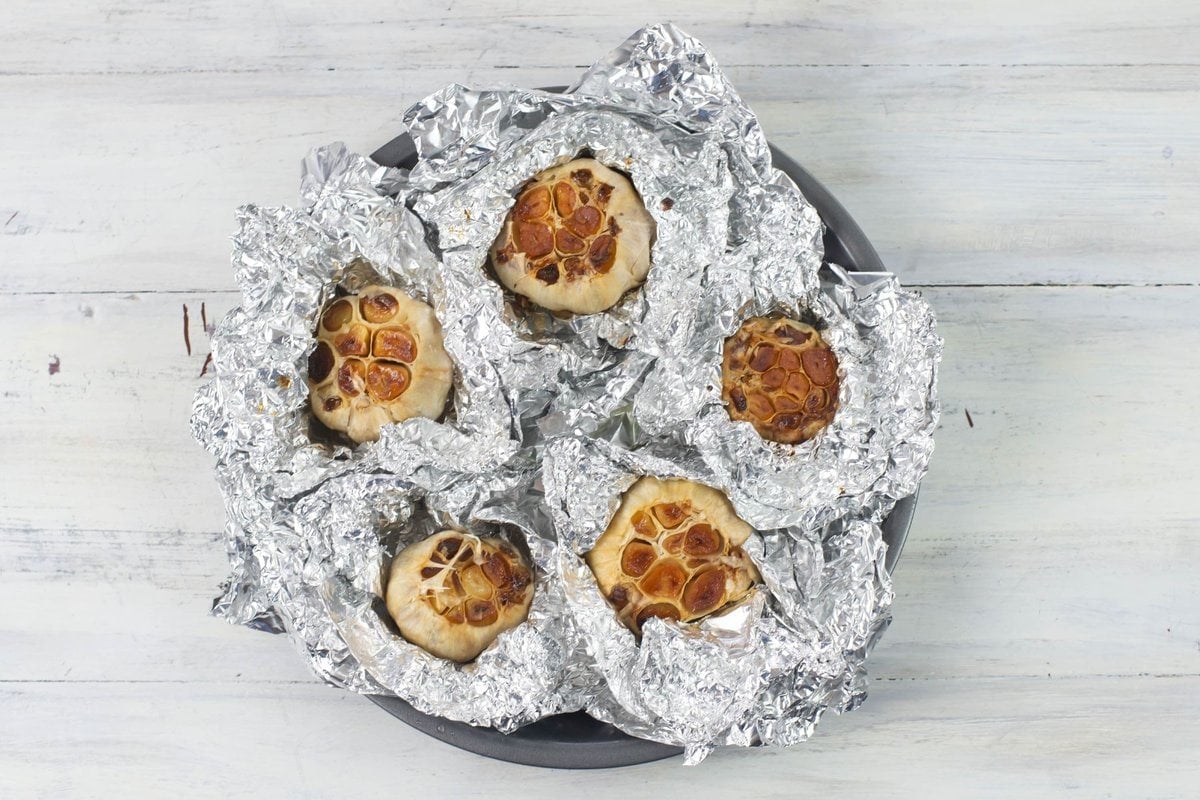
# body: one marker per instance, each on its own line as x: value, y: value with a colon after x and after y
x: 68, y: 36
x: 959, y: 175
x: 1022, y: 737
x: 96, y: 399
x: 1055, y: 536
x: 126, y: 606
x: 1047, y: 633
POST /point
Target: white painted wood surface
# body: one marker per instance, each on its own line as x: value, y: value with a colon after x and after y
x: 1047, y: 634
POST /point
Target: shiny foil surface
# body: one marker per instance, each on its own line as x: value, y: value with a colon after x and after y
x: 552, y: 416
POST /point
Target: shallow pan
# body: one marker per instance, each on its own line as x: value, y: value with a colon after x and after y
x: 577, y: 741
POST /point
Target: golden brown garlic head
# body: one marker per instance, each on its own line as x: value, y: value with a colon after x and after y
x: 453, y: 593
x: 379, y: 359
x: 672, y: 550
x: 780, y: 376
x: 577, y: 239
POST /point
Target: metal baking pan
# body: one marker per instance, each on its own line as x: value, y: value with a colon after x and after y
x: 577, y: 741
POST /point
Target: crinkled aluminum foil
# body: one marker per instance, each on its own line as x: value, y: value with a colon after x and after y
x: 347, y: 531
x: 288, y: 263
x: 540, y: 351
x: 879, y: 443
x: 577, y: 408
x: 760, y: 673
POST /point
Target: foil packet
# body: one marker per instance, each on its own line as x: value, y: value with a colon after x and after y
x: 346, y: 534
x: 760, y: 673
x: 288, y: 264
x: 553, y: 417
x: 878, y: 445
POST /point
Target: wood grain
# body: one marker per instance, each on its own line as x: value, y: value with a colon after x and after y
x: 1055, y: 536
x: 66, y: 36
x: 1047, y: 632
x: 113, y: 413
x: 1022, y: 737
x: 940, y: 165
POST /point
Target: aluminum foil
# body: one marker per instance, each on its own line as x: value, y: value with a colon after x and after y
x: 879, y: 443
x: 552, y: 419
x: 288, y: 264
x: 760, y: 673
x: 351, y: 526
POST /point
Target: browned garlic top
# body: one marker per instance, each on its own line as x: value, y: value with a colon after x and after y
x: 780, y: 376
x: 577, y: 238
x: 453, y: 593
x: 673, y: 550
x: 379, y: 359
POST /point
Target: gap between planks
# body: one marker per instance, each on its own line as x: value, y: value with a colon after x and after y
x: 1082, y: 676
x: 392, y: 69
x: 916, y: 286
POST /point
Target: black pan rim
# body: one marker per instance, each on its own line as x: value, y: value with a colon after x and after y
x: 576, y: 740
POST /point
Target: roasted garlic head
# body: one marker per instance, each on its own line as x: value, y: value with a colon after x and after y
x: 453, y: 593
x: 379, y: 359
x: 780, y: 376
x: 672, y: 550
x: 577, y: 239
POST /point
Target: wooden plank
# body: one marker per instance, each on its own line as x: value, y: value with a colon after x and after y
x: 122, y: 387
x: 126, y: 605
x: 986, y: 176
x: 1035, y: 603
x: 64, y: 36
x: 959, y: 175
x: 1055, y: 536
x: 150, y: 193
x: 96, y: 409
x: 1061, y: 512
x: 1030, y: 738
x: 1046, y: 634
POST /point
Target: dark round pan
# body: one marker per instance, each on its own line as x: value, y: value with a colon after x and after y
x: 577, y: 741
